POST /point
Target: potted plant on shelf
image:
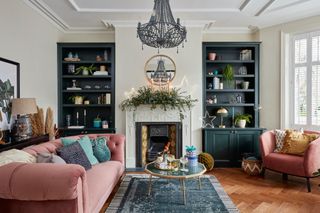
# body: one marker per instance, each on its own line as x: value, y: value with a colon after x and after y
x: 85, y: 70
x: 242, y: 119
x: 228, y: 76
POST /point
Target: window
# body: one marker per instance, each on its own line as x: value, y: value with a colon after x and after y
x: 305, y: 81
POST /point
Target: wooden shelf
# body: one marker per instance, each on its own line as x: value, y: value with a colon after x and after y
x: 89, y: 129
x: 229, y: 90
x: 230, y: 105
x: 86, y: 62
x: 87, y: 91
x: 230, y: 61
x: 87, y: 105
x: 87, y: 76
x: 236, y: 76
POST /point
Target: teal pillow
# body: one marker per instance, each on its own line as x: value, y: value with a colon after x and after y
x: 85, y: 143
x: 100, y: 149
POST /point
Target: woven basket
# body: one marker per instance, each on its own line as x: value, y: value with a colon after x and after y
x: 252, y: 167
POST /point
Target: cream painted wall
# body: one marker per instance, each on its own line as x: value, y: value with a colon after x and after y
x: 271, y: 67
x: 28, y: 38
x: 130, y: 61
x: 87, y: 37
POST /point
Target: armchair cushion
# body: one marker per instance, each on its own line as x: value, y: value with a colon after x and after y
x: 279, y: 134
x: 290, y: 164
x: 297, y: 142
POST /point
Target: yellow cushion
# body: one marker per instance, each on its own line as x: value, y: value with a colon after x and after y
x: 296, y: 143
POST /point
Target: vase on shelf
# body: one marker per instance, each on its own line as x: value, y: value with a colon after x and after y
x: 228, y: 84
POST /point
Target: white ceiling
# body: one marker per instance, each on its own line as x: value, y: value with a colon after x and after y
x: 213, y: 15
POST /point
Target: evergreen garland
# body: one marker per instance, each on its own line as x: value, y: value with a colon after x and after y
x: 172, y: 99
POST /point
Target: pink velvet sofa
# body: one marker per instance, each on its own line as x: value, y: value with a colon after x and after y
x: 45, y: 187
x: 301, y: 166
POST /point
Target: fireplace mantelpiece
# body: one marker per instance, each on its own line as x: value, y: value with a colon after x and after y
x: 145, y: 114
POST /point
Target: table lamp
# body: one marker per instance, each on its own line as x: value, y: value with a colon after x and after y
x: 22, y: 108
x: 222, y: 112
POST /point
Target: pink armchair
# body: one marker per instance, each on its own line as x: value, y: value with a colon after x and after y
x: 301, y: 166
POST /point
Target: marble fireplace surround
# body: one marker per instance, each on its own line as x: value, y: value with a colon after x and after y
x: 145, y: 114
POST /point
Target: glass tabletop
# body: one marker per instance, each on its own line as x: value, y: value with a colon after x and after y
x: 192, y: 171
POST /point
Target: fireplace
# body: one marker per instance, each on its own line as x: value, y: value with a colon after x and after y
x: 152, y: 137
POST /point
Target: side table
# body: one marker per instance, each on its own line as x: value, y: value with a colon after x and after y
x: 24, y: 143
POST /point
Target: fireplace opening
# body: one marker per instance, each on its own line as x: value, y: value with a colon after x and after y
x: 151, y: 138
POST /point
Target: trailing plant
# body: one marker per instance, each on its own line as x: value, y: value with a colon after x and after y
x: 246, y: 117
x: 90, y: 69
x: 172, y: 99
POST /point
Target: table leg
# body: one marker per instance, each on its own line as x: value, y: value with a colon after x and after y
x: 150, y: 184
x: 184, y: 191
x: 199, y: 183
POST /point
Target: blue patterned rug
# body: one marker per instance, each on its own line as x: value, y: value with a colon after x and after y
x: 167, y: 197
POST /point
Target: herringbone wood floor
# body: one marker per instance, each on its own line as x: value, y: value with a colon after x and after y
x: 268, y: 194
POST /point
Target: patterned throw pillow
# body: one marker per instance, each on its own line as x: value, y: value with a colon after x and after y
x: 100, y: 149
x: 296, y: 143
x: 86, y: 146
x: 279, y: 134
x: 74, y: 154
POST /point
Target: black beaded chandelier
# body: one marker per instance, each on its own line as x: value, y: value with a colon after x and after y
x: 162, y: 31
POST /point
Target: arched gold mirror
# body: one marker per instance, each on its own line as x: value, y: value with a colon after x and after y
x: 160, y: 70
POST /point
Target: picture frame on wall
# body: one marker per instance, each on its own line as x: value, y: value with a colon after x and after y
x: 9, y: 89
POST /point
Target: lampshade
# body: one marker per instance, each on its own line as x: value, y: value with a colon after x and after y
x: 24, y: 106
x: 222, y: 112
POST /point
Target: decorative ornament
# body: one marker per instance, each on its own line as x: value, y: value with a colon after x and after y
x: 207, y: 120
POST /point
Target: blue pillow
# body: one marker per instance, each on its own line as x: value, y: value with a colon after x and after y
x: 85, y: 143
x: 74, y: 154
x: 100, y: 149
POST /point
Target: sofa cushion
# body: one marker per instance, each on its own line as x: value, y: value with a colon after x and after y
x: 100, y: 149
x: 15, y: 155
x: 74, y: 154
x: 289, y: 164
x: 297, y: 142
x: 101, y: 180
x: 86, y: 146
x: 45, y: 157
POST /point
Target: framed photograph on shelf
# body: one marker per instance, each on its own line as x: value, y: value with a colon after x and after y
x: 9, y: 89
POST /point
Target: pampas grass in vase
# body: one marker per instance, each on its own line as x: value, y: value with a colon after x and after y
x: 49, y: 127
x: 37, y: 123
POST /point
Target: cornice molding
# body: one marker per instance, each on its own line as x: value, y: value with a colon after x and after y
x: 47, y: 13
x: 143, y: 10
x: 207, y: 26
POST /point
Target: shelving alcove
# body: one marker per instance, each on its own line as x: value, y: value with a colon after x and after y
x: 87, y: 53
x: 227, y: 145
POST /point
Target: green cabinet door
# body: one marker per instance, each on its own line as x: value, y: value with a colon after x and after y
x: 227, y: 146
x: 219, y: 145
x: 245, y: 141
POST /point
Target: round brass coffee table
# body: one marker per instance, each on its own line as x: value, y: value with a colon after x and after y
x: 195, y: 172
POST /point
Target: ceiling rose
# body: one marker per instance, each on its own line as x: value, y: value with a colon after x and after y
x: 162, y: 31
